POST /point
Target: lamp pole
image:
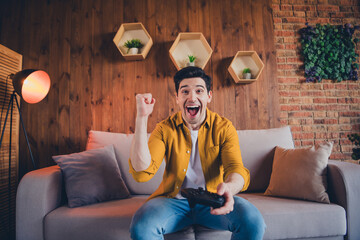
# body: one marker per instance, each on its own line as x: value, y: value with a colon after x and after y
x: 11, y: 108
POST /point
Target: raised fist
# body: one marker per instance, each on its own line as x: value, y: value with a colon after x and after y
x: 144, y: 104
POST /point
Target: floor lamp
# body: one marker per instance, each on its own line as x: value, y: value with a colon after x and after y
x: 33, y: 86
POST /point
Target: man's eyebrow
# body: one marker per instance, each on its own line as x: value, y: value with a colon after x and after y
x: 184, y: 86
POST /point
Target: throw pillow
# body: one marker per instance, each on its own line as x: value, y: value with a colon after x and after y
x: 91, y: 176
x: 300, y: 173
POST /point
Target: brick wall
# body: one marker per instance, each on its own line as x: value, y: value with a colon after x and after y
x: 322, y: 111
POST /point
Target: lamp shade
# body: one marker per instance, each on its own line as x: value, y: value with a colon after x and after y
x: 31, y: 84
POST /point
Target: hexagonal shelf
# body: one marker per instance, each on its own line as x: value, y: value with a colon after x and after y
x: 128, y: 31
x: 245, y: 59
x: 190, y: 44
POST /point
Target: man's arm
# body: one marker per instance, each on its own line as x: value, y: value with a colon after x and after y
x: 233, y: 184
x: 139, y: 152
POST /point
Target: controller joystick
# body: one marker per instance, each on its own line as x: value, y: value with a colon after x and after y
x: 204, y: 197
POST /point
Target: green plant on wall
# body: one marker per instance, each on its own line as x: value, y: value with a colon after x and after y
x: 329, y: 52
x: 355, y: 138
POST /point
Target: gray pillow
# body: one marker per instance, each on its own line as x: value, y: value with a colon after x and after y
x: 91, y: 176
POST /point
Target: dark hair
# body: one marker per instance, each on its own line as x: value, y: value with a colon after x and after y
x: 191, y: 72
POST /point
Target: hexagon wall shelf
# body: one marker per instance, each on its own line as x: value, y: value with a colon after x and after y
x: 246, y: 59
x: 128, y: 31
x: 190, y: 44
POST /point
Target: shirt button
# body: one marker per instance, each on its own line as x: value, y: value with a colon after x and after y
x: 177, y: 187
x: 187, y: 151
x: 184, y: 170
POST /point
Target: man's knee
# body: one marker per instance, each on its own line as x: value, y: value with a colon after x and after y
x: 141, y: 225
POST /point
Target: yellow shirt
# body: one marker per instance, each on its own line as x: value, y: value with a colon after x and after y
x: 219, y: 151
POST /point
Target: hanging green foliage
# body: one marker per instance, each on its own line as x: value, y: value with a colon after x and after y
x: 355, y: 138
x: 329, y: 52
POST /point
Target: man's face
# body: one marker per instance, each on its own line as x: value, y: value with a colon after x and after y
x: 192, y: 97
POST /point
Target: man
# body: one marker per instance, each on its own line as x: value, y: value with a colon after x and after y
x: 201, y: 149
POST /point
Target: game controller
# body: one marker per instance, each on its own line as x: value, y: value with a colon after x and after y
x: 204, y: 197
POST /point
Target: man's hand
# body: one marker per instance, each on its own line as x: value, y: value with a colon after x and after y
x: 223, y: 189
x: 144, y: 104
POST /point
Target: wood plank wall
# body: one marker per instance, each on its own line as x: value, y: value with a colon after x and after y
x: 93, y: 87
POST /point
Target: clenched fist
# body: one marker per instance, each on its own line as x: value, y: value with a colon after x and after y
x: 144, y: 104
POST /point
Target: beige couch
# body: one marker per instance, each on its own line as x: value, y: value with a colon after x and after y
x: 42, y: 212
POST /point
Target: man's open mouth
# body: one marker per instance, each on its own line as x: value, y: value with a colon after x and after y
x: 192, y: 110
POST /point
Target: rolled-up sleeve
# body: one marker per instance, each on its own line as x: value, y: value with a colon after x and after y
x: 157, y: 151
x: 231, y: 156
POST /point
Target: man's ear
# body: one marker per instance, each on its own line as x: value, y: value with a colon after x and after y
x: 176, y: 97
x: 210, y: 96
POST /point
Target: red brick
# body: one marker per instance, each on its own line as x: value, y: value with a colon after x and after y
x: 290, y: 40
x: 291, y: 46
x: 349, y: 114
x: 304, y: 8
x: 311, y: 14
x: 313, y: 21
x: 312, y: 93
x: 284, y: 122
x: 295, y: 129
x: 303, y: 136
x: 349, y: 9
x: 283, y: 14
x: 284, y: 33
x: 288, y: 80
x: 349, y: 2
x: 277, y: 20
x: 332, y: 114
x: 300, y: 114
x: 275, y: 7
x: 294, y: 20
x: 306, y: 143
x: 286, y: 7
x: 287, y: 66
x: 289, y: 93
x: 307, y: 107
x: 321, y: 107
x: 280, y: 60
x: 318, y: 114
x: 341, y: 15
x: 299, y: 14
x: 336, y: 107
x: 344, y: 120
x: 280, y: 46
x: 289, y: 108
x: 328, y: 8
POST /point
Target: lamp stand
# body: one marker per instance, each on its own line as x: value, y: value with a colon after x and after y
x: 10, y: 107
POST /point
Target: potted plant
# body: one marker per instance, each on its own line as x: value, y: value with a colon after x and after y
x: 133, y: 46
x: 247, y: 73
x: 355, y: 138
x: 191, y: 60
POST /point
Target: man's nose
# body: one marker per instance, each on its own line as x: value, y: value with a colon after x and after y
x: 192, y: 96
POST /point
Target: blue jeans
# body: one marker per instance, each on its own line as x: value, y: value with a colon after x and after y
x: 161, y: 216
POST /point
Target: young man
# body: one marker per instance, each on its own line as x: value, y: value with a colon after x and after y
x: 201, y: 149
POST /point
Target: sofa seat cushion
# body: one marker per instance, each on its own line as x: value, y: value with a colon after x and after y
x: 108, y: 220
x: 290, y: 218
x: 285, y: 219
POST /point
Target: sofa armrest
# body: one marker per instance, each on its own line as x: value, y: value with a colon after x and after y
x: 38, y: 193
x: 344, y: 189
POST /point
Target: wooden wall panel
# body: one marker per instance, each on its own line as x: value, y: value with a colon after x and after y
x: 93, y: 87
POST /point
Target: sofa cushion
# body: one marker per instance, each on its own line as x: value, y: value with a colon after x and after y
x: 91, y: 176
x: 122, y: 144
x: 301, y: 173
x: 291, y: 218
x: 257, y: 151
